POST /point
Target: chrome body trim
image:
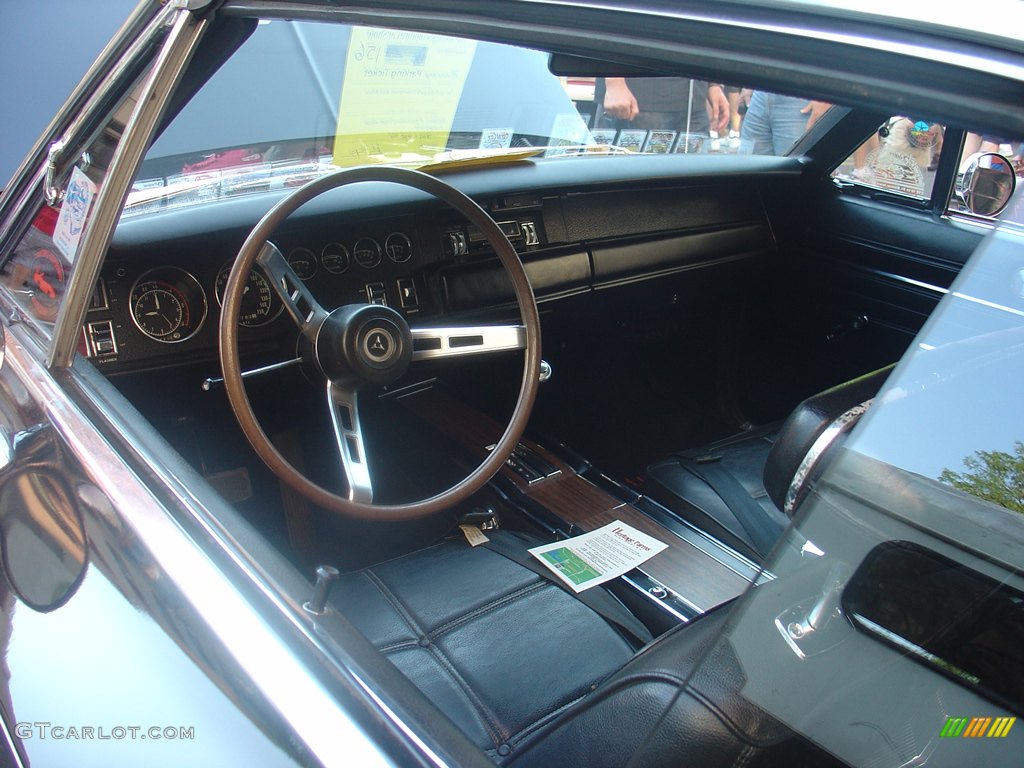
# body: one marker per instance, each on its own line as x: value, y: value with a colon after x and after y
x: 831, y: 433
x: 392, y: 716
x: 298, y: 696
x: 167, y: 69
x: 11, y: 744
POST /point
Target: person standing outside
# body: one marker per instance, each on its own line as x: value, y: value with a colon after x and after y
x: 774, y: 123
x: 663, y: 103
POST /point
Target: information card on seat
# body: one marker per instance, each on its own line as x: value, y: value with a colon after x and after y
x: 593, y: 558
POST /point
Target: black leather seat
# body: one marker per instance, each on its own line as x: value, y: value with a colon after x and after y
x: 535, y: 678
x: 735, y: 489
x: 498, y: 648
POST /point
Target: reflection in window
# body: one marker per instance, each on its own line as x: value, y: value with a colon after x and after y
x: 901, y: 156
x: 995, y: 476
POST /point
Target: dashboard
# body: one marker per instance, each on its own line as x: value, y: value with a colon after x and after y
x: 157, y: 302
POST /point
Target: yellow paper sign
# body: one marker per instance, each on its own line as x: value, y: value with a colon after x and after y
x: 399, y: 95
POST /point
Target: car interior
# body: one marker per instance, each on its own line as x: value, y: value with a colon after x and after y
x: 703, y: 321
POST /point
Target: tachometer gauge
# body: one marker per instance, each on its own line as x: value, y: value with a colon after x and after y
x: 259, y: 304
x: 167, y: 304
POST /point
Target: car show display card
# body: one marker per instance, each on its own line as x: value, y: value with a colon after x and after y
x: 73, y: 213
x: 599, y: 556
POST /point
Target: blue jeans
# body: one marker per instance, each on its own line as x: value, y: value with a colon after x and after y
x: 773, y: 124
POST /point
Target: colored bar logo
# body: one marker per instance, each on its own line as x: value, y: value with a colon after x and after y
x: 977, y: 727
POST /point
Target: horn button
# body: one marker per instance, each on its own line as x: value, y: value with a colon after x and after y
x: 369, y: 342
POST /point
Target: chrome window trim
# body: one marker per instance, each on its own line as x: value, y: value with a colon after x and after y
x: 73, y: 133
x: 297, y: 10
x: 951, y: 57
x: 299, y: 697
x: 168, y: 67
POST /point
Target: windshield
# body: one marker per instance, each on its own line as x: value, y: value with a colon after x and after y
x: 299, y: 99
x: 893, y: 631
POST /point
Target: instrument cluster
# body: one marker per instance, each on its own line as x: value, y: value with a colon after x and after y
x: 171, y: 304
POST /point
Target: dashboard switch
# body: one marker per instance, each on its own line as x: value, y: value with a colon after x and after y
x: 457, y: 243
x: 529, y: 230
x: 375, y: 294
x: 101, y: 339
x: 407, y: 293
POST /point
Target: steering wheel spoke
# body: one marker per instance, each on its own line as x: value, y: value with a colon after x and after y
x: 297, y: 299
x: 359, y: 348
x: 433, y: 343
x: 343, y: 403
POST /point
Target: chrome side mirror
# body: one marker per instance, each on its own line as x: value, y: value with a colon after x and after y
x: 987, y: 184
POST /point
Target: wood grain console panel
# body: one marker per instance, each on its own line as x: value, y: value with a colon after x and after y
x: 689, y: 571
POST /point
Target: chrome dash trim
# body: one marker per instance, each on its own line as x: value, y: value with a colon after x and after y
x: 470, y: 340
x: 831, y: 433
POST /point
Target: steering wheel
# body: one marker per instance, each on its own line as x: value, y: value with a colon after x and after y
x: 361, y: 347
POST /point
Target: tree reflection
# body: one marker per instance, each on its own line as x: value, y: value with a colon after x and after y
x: 995, y: 476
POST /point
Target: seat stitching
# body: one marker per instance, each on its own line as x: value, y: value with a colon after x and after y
x: 475, y: 613
x: 398, y: 558
x: 743, y: 758
x: 543, y: 720
x: 593, y: 698
x: 399, y: 646
x: 393, y: 601
x: 487, y: 608
x: 486, y: 717
x: 627, y: 681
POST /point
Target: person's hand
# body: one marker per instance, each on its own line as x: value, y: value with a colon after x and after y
x: 619, y: 101
x: 718, y: 108
x: 814, y: 110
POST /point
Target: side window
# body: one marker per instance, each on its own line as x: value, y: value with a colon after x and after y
x: 901, y: 157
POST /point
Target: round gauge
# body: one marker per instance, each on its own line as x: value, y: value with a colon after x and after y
x: 259, y: 304
x: 335, y: 258
x: 398, y: 247
x: 366, y: 252
x: 303, y: 263
x: 167, y: 304
x: 47, y: 283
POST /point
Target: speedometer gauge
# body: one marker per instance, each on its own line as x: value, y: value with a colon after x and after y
x: 259, y: 304
x: 167, y: 304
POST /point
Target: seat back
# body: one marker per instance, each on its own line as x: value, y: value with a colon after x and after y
x: 810, y: 430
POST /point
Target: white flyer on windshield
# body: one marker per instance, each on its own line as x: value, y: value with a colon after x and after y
x: 73, y: 212
x: 599, y: 556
